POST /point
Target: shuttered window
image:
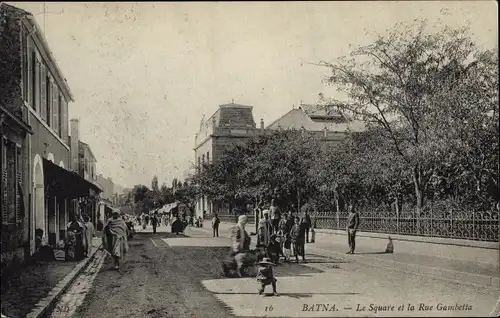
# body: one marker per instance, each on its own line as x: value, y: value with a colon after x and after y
x: 12, y: 174
x: 64, y: 125
x: 31, y: 74
x: 60, y: 115
x: 19, y: 184
x: 48, y: 96
x: 43, y: 92
x: 36, y: 83
x: 55, y: 109
x: 24, y: 56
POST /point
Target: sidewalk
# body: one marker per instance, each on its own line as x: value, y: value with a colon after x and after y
x: 36, y: 288
x: 369, y: 253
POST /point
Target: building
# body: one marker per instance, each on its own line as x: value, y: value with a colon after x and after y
x: 322, y: 123
x: 113, y: 196
x: 83, y: 162
x: 35, y: 93
x: 230, y: 125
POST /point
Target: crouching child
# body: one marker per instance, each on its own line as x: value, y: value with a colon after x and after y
x: 265, y: 276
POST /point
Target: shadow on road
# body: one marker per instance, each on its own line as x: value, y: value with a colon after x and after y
x: 292, y: 295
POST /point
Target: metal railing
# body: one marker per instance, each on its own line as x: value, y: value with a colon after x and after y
x: 468, y: 225
x: 473, y: 225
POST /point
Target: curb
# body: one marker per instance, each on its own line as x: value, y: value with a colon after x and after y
x: 422, y: 270
x: 45, y: 305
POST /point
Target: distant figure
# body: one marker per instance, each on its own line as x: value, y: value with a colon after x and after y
x: 352, y: 228
x: 215, y: 225
x: 390, y: 246
x: 275, y: 215
x: 297, y: 235
x: 89, y: 235
x: 154, y: 222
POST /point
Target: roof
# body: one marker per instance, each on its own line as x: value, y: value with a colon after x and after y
x: 315, y: 120
x: 86, y: 146
x: 30, y: 20
x: 228, y: 116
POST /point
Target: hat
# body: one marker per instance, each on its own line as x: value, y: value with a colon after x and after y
x: 266, y: 261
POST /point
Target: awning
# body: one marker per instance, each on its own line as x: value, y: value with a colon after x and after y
x: 65, y: 184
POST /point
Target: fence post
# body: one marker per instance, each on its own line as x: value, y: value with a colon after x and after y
x: 397, y: 223
x: 473, y: 225
x: 451, y: 222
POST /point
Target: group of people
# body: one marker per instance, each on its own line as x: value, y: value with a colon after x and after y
x: 79, y: 239
x: 283, y: 235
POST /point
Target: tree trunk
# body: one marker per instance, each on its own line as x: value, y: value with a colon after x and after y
x: 419, y: 193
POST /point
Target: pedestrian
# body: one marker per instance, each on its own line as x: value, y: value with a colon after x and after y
x: 114, y: 240
x: 241, y: 243
x: 89, y: 235
x: 76, y: 230
x: 298, y: 239
x: 154, y: 222
x: 275, y: 215
x: 215, y: 225
x: 287, y: 247
x: 265, y: 230
x: 265, y: 276
x: 352, y: 228
x: 274, y: 250
x: 306, y: 221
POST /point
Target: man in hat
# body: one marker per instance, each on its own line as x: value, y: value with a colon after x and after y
x: 265, y: 276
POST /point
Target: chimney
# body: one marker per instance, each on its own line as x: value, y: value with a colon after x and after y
x: 214, y: 124
x: 261, y: 124
x: 75, y: 138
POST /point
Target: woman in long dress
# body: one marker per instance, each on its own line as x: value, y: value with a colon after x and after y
x: 89, y: 235
x: 114, y: 240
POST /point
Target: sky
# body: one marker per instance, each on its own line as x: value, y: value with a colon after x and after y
x: 144, y: 74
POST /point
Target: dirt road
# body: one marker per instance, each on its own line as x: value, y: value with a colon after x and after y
x: 157, y: 280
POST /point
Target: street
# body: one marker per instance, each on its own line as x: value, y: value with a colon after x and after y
x: 165, y: 275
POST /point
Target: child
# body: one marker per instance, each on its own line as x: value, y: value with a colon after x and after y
x: 265, y: 276
x: 298, y: 240
x: 287, y: 247
x: 274, y: 250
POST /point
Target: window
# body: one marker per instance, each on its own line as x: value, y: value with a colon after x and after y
x: 48, y: 101
x: 24, y: 54
x: 34, y: 81
x: 208, y: 156
x: 11, y: 182
x: 60, y: 115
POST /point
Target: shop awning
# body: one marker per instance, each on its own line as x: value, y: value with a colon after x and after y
x: 65, y: 184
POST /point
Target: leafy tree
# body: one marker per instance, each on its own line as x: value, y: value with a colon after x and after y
x: 188, y: 195
x: 400, y: 84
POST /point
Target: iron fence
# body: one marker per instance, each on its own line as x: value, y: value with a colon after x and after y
x: 470, y: 225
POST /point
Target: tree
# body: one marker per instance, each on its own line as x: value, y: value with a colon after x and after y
x: 400, y: 83
x: 154, y: 184
x: 188, y: 195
